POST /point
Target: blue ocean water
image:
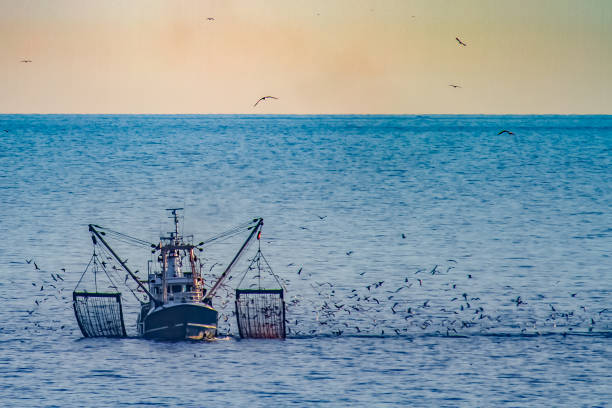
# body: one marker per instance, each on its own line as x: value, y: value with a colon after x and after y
x: 441, y: 264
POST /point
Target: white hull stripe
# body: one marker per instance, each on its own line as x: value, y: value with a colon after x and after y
x: 156, y: 329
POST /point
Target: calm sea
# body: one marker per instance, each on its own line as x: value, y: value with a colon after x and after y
x: 428, y: 261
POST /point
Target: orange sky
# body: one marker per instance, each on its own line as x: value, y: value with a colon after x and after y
x: 351, y: 56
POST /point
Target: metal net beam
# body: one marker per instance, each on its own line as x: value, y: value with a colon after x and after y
x: 99, y: 314
x: 260, y: 313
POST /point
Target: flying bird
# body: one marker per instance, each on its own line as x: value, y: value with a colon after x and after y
x: 505, y: 131
x: 26, y: 60
x: 460, y: 42
x: 263, y: 98
x: 454, y: 86
x: 210, y: 18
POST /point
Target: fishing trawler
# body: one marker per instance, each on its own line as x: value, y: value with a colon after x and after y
x: 177, y: 306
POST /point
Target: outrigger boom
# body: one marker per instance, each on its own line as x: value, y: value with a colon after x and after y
x: 255, y: 230
x: 143, y: 287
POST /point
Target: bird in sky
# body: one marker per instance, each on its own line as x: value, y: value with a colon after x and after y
x: 263, y: 98
x: 210, y: 18
x: 460, y: 42
x: 25, y: 60
x: 505, y: 131
x: 454, y: 86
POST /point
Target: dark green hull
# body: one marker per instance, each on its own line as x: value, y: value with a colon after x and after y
x: 193, y: 321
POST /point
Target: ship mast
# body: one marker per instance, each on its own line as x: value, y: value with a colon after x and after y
x: 173, y: 247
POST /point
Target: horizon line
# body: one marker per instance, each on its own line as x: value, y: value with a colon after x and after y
x: 301, y: 114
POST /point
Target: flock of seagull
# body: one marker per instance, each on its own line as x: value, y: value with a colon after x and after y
x: 418, y: 302
x: 435, y: 300
x: 47, y: 290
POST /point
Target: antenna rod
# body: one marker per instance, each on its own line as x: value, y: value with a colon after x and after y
x: 212, y: 291
x: 97, y: 234
x: 176, y: 222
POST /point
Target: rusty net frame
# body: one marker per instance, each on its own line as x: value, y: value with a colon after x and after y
x: 260, y: 313
x: 99, y: 314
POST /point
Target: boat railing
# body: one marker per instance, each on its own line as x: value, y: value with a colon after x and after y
x: 185, y: 296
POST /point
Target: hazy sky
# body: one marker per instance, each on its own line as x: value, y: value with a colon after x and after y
x: 317, y: 56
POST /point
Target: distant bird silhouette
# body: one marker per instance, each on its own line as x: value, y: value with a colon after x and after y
x: 454, y: 86
x: 210, y: 18
x: 460, y: 42
x: 505, y: 131
x: 25, y: 60
x: 322, y: 217
x: 263, y: 98
x: 299, y: 271
x: 29, y: 262
x: 349, y: 253
x: 36, y: 267
x: 403, y: 236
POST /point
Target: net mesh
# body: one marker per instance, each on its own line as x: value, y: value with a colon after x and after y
x: 99, y: 314
x: 260, y: 313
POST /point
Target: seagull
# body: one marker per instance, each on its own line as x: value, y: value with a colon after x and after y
x: 28, y: 262
x: 505, y: 131
x: 454, y: 86
x: 263, y: 98
x: 460, y: 42
x: 26, y: 60
x: 36, y: 267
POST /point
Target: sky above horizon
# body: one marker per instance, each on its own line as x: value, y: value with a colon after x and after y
x: 317, y: 56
